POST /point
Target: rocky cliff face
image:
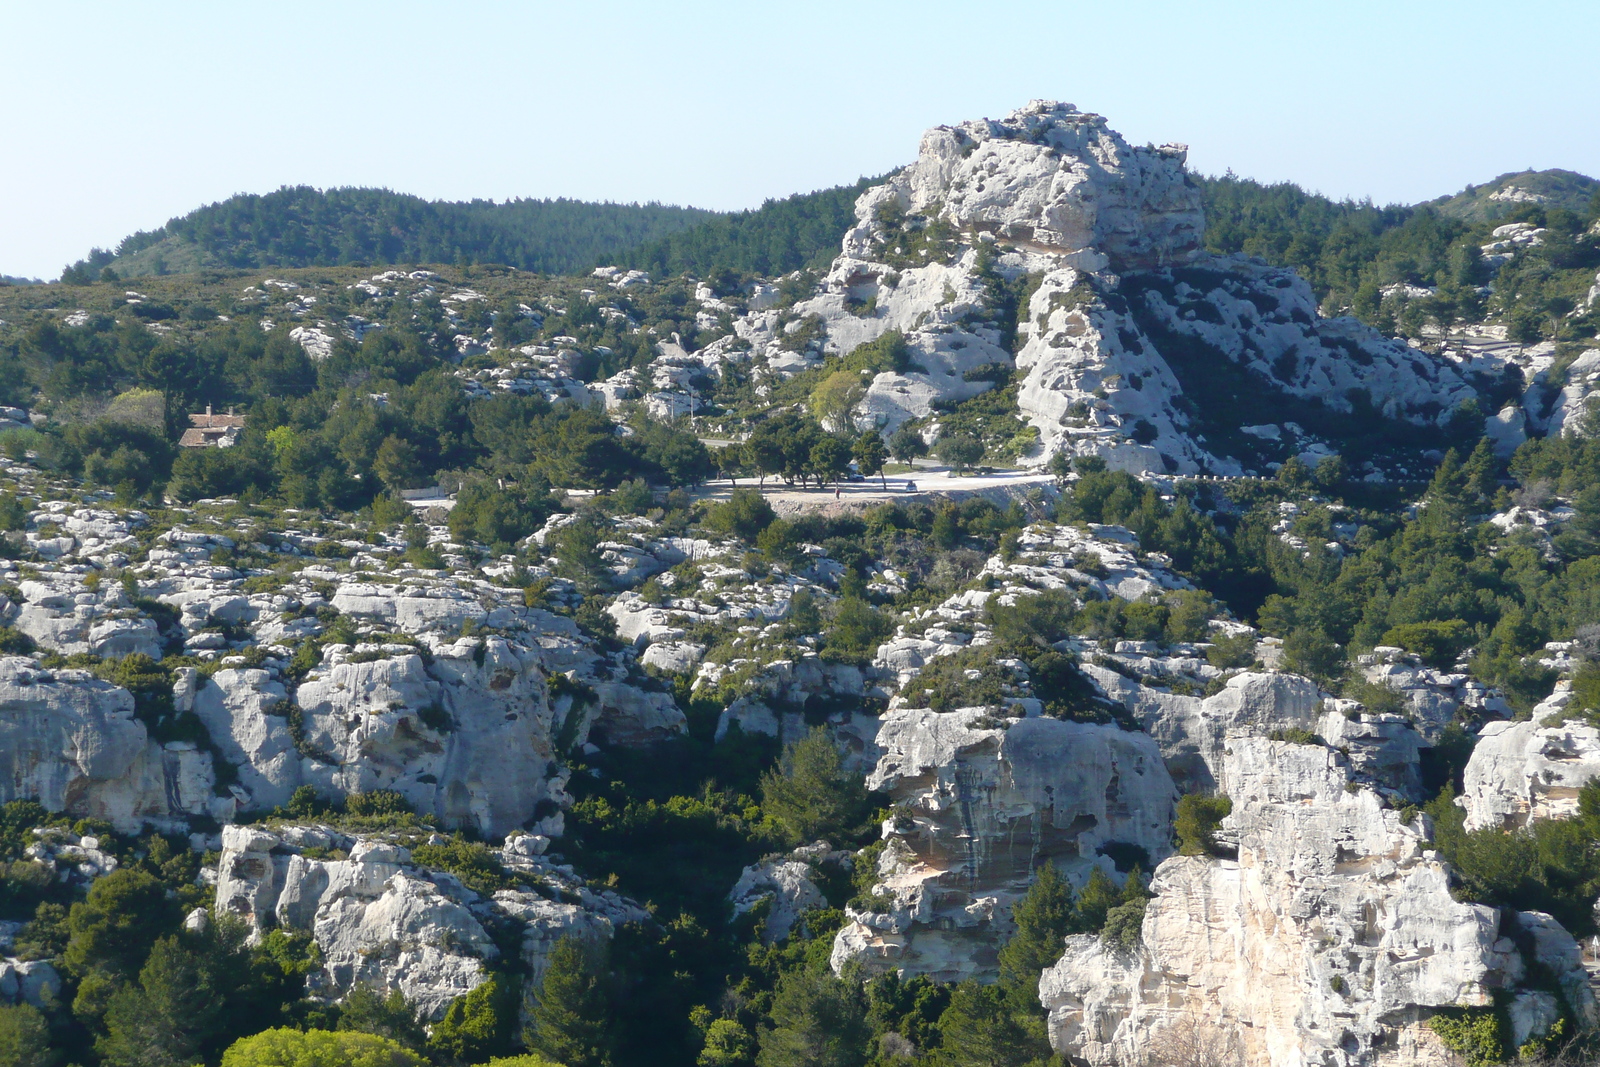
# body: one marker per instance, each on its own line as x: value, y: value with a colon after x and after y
x: 1107, y: 367
x: 72, y: 742
x: 1331, y: 938
x: 465, y: 728
x: 981, y: 804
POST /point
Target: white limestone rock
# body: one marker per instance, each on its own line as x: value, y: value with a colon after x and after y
x: 64, y: 615
x: 771, y: 700
x: 1523, y: 772
x: 1331, y: 939
x: 71, y: 742
x: 470, y: 742
x: 785, y: 885
x: 34, y: 982
x: 415, y: 611
x: 381, y: 920
x: 1112, y: 234
x: 673, y: 657
x: 245, y: 712
x: 988, y: 802
x: 1581, y: 381
x: 1048, y: 177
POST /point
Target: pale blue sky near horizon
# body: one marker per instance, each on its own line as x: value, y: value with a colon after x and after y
x: 122, y: 116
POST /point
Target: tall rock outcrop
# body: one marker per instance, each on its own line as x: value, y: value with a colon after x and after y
x: 981, y: 804
x: 1125, y: 315
x: 1049, y: 178
x: 1331, y: 939
x: 1524, y: 772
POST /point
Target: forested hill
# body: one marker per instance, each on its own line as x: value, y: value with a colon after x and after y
x: 1354, y: 252
x: 1349, y: 251
x: 796, y: 232
x: 306, y: 227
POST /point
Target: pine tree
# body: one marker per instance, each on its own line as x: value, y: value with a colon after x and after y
x: 818, y: 1021
x: 810, y: 792
x: 24, y: 1037
x: 572, y: 1021
x: 169, y: 1017
x: 368, y: 1012
x: 983, y: 1027
x: 1044, y: 917
x: 1099, y: 896
x: 476, y: 1026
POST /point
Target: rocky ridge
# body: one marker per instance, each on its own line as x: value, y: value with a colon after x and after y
x: 1103, y: 240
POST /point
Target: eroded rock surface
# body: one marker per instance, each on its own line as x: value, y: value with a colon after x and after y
x: 1331, y: 939
x: 986, y: 803
x: 1522, y: 772
x: 72, y: 742
x: 383, y: 921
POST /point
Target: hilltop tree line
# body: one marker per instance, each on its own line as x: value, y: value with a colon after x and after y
x: 303, y: 227
x: 300, y: 226
x: 1350, y: 250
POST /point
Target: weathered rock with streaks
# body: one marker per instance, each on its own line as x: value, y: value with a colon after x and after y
x: 986, y: 803
x: 72, y: 742
x: 1330, y: 939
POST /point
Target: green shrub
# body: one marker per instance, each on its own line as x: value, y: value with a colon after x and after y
x: 1123, y: 924
x: 1437, y: 643
x: 1310, y: 652
x: 15, y: 642
x: 13, y: 515
x: 1477, y: 1035
x: 284, y: 1047
x: 1197, y: 822
x: 1376, y: 697
x: 25, y: 1037
x: 855, y: 631
x: 1232, y: 652
x: 476, y: 865
x: 1586, y: 689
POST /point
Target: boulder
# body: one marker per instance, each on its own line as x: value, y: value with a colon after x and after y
x: 785, y: 885
x: 1521, y: 772
x: 34, y: 982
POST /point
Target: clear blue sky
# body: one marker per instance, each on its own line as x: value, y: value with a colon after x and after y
x: 119, y: 116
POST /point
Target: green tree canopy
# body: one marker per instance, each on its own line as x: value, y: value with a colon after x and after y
x: 817, y: 1021
x: 284, y: 1047
x: 24, y: 1037
x: 811, y: 793
x: 571, y: 1021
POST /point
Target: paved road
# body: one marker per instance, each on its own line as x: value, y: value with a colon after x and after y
x: 788, y: 499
